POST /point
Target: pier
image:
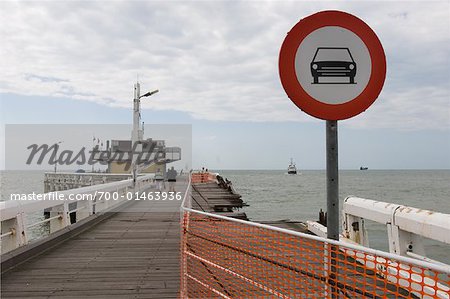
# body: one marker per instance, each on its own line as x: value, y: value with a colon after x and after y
x: 133, y: 252
x: 200, y: 247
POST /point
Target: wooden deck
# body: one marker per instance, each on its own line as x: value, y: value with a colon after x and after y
x: 217, y: 198
x: 133, y: 254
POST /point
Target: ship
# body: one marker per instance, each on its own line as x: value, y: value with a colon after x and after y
x: 292, y: 169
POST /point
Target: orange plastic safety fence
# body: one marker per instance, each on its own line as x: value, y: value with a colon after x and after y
x: 228, y: 259
x: 202, y: 177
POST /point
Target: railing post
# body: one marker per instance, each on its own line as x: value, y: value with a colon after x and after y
x: 14, y: 231
x: 57, y: 223
x: 183, y: 261
x: 22, y: 235
x: 66, y: 216
x: 403, y: 241
x: 354, y: 229
x: 8, y: 230
x: 91, y: 205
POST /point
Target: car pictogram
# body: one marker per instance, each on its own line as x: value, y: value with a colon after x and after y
x: 333, y: 62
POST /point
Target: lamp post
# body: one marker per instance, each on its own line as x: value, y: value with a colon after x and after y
x: 137, y: 134
x: 149, y: 93
x: 56, y: 153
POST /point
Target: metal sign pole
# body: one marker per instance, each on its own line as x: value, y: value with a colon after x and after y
x: 332, y: 199
x: 302, y: 80
x: 332, y: 180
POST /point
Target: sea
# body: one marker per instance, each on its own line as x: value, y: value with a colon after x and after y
x: 276, y: 195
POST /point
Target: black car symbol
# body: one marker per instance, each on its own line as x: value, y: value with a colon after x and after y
x: 333, y: 62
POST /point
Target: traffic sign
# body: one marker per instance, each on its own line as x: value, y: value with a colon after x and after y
x: 332, y: 65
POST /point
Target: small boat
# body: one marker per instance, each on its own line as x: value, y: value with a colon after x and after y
x: 291, y: 168
x: 363, y: 168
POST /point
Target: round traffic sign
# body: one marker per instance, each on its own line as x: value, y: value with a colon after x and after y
x: 332, y: 65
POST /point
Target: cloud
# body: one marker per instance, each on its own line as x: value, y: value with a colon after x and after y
x: 215, y: 60
x: 32, y: 77
x: 408, y: 109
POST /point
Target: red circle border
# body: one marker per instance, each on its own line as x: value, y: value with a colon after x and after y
x: 296, y: 92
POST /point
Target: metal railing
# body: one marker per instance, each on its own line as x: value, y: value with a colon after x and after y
x: 58, y: 181
x: 406, y: 226
x: 223, y: 257
x: 18, y: 216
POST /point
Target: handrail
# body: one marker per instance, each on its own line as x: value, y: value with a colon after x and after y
x: 375, y: 252
x: 87, y: 174
x: 9, y: 209
x: 44, y: 221
x: 15, y: 213
x: 406, y: 226
x: 187, y: 193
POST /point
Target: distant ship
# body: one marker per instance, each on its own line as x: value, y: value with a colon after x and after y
x: 363, y: 168
x: 291, y: 168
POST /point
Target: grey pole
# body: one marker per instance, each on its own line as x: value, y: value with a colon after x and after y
x: 332, y: 181
x: 332, y: 199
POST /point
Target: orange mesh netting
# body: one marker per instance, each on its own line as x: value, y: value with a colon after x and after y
x: 202, y: 177
x: 230, y: 259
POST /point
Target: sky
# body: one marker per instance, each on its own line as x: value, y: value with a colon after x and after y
x: 216, y: 66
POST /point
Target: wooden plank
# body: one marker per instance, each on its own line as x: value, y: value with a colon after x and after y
x: 210, y: 197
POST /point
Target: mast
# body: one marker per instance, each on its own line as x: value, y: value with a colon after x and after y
x: 135, y: 134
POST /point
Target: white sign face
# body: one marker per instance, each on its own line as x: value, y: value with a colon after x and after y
x: 333, y: 65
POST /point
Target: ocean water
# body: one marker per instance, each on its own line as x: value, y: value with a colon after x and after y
x: 25, y: 182
x: 275, y: 195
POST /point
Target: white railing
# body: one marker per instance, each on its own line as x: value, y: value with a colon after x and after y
x: 406, y: 226
x: 57, y: 181
x: 257, y: 260
x: 19, y: 216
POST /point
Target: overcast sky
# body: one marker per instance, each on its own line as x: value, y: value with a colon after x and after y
x: 216, y: 65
